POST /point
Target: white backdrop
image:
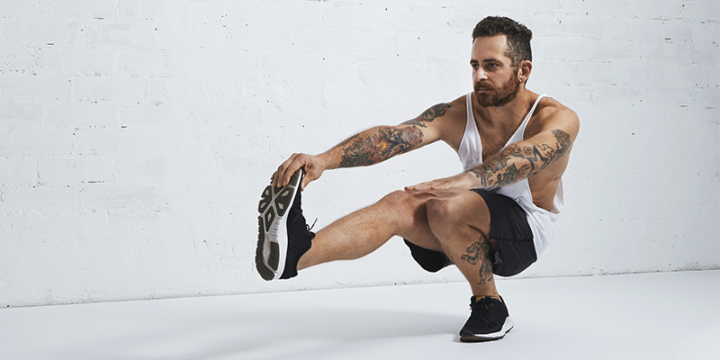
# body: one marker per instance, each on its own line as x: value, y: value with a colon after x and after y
x: 137, y: 135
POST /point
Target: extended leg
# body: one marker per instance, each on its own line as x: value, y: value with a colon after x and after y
x: 365, y: 230
x: 286, y: 245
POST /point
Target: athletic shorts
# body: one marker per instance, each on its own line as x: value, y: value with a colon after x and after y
x: 508, y: 227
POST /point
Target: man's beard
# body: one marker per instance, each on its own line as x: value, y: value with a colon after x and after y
x: 498, y: 97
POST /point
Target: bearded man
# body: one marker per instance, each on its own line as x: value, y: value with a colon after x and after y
x: 494, y: 218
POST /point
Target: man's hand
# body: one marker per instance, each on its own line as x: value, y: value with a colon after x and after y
x: 442, y: 188
x: 312, y: 166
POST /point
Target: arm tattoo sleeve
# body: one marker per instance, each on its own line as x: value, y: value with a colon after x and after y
x: 429, y: 115
x: 385, y: 143
x: 502, y: 171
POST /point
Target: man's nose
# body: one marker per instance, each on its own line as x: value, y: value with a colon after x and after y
x: 480, y: 75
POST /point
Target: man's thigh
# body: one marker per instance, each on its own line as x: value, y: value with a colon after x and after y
x: 466, y: 212
x: 419, y: 233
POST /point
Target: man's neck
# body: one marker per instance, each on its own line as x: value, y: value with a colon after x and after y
x: 509, y: 115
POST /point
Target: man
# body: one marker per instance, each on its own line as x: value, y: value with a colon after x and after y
x: 494, y: 218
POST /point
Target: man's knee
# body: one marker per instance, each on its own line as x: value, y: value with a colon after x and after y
x: 396, y: 199
x: 439, y: 213
x: 458, y: 213
x: 400, y: 205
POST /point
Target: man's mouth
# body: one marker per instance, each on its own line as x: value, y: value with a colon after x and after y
x: 483, y: 88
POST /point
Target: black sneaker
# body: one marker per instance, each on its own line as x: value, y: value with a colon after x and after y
x: 283, y: 234
x: 489, y: 320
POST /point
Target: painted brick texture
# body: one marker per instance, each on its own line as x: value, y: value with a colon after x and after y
x: 137, y: 135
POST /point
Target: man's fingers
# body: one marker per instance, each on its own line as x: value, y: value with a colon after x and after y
x: 419, y: 193
x: 424, y: 196
x: 304, y: 183
x: 285, y: 171
x: 435, y: 189
x: 423, y: 187
x: 312, y: 169
x: 419, y: 190
x: 312, y: 173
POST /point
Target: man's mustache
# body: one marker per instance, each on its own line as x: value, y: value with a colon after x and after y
x: 483, y: 86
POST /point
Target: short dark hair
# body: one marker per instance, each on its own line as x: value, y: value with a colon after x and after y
x: 518, y: 36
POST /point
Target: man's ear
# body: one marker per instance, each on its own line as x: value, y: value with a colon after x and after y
x: 524, y: 70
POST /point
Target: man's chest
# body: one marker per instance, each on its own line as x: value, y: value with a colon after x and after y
x: 493, y: 140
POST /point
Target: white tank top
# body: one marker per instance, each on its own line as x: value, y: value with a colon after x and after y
x: 540, y: 220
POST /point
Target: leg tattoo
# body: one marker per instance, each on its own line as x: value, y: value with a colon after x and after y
x: 479, y: 252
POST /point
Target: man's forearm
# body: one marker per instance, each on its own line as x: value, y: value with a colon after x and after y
x: 518, y: 161
x: 500, y: 170
x: 373, y: 146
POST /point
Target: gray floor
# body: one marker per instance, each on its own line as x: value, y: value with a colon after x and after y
x: 644, y: 316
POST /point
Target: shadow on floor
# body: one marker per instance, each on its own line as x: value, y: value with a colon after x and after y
x: 263, y: 334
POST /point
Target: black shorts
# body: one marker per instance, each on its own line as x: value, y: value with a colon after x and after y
x: 508, y: 227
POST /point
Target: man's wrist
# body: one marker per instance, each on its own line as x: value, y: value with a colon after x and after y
x: 325, y: 160
x: 479, y: 178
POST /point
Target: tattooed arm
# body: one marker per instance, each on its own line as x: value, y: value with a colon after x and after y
x: 369, y: 147
x: 383, y: 142
x: 518, y: 161
x: 544, y: 153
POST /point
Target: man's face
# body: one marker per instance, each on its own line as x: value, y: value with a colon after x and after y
x: 495, y: 80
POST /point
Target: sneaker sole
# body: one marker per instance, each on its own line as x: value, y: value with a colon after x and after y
x: 272, y: 243
x: 468, y: 336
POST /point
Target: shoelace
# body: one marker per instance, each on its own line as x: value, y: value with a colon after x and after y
x: 481, y: 312
x: 312, y: 226
x: 473, y: 306
x: 484, y: 301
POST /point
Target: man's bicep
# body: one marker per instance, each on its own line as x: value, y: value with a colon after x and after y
x: 429, y: 115
x: 551, y: 143
x: 552, y: 146
x: 433, y: 122
x: 561, y: 123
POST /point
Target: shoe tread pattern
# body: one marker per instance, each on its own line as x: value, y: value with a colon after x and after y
x: 284, y: 198
x: 264, y: 271
x: 280, y: 199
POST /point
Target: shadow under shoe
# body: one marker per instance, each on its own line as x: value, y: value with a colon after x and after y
x: 489, y: 320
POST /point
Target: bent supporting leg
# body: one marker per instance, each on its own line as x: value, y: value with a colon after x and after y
x: 462, y: 227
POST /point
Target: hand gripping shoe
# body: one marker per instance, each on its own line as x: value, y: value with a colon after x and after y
x: 283, y: 234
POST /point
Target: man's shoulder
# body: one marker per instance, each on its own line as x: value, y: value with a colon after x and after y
x: 451, y: 118
x: 550, y: 114
x: 458, y: 108
x: 448, y: 111
x: 550, y: 109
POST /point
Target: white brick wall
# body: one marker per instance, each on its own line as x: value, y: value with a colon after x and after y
x: 136, y: 135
